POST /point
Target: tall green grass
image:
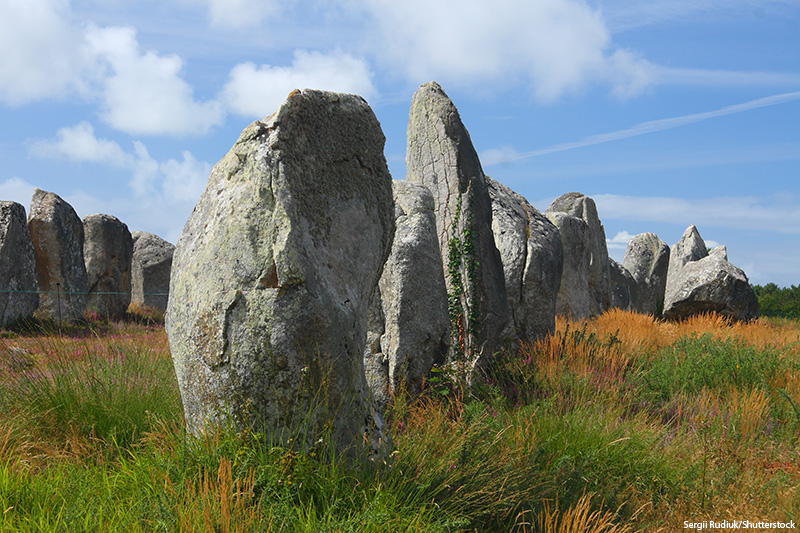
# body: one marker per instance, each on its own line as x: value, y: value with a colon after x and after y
x: 621, y: 423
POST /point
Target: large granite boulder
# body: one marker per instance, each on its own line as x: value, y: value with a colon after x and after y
x: 18, y: 299
x: 647, y: 260
x: 409, y: 323
x: 57, y: 235
x: 273, y: 274
x: 108, y: 252
x: 574, y: 297
x: 691, y: 247
x: 532, y: 256
x: 580, y: 206
x: 441, y: 156
x: 150, y: 270
x: 623, y: 286
x: 711, y: 284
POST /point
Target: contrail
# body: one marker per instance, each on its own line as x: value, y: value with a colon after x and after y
x: 652, y: 126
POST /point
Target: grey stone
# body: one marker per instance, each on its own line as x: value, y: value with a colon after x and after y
x: 690, y: 247
x: 108, y: 252
x: 150, y: 270
x: 623, y: 286
x: 57, y: 235
x: 711, y: 284
x: 18, y: 299
x: 574, y: 297
x: 720, y: 251
x: 410, y: 329
x: 533, y: 259
x: 273, y: 273
x: 441, y: 156
x: 598, y: 277
x: 647, y: 259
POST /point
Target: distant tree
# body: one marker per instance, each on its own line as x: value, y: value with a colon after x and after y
x: 777, y: 301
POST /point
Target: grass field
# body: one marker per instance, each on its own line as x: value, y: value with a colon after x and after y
x: 620, y: 423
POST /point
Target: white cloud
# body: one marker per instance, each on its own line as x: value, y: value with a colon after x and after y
x: 143, y: 93
x: 619, y: 241
x: 780, y: 215
x: 78, y: 143
x: 258, y: 91
x: 43, y: 56
x: 554, y: 46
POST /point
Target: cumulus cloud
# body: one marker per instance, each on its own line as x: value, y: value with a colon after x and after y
x: 78, y: 143
x: 44, y: 56
x: 554, y: 46
x: 781, y: 215
x: 257, y: 91
x: 143, y: 93
x: 170, y: 182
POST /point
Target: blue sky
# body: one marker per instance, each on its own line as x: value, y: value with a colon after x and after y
x: 666, y: 113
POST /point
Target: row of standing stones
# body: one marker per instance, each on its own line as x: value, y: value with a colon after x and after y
x: 55, y: 266
x: 307, y: 286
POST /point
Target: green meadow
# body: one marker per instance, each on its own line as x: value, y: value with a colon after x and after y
x: 618, y: 423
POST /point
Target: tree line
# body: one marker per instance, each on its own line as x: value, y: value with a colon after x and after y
x: 778, y: 301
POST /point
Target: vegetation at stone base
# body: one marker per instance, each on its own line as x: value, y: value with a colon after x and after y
x: 778, y: 302
x: 620, y: 423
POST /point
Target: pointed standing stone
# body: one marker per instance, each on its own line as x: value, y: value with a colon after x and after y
x: 441, y: 156
x: 57, y: 235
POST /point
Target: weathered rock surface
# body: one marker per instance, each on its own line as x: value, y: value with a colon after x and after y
x: 150, y: 269
x: 108, y: 252
x: 720, y: 251
x: 711, y: 284
x: 691, y: 247
x: 598, y: 277
x: 574, y: 297
x: 623, y: 286
x: 18, y: 299
x: 441, y: 156
x: 273, y: 274
x: 532, y: 257
x: 647, y: 260
x: 56, y: 232
x: 409, y: 323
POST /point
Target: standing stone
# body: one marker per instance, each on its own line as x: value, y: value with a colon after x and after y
x: 647, y: 259
x: 574, y: 297
x: 273, y: 274
x: 690, y: 248
x: 441, y: 156
x: 18, y: 299
x: 108, y: 252
x: 150, y: 270
x: 623, y: 286
x: 410, y: 324
x: 57, y: 235
x: 711, y: 284
x: 598, y: 277
x: 533, y: 259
